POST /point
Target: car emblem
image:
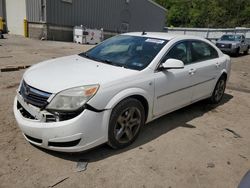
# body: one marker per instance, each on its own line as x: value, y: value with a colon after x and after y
x: 222, y: 45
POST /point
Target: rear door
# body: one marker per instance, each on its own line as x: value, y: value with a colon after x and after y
x: 206, y: 68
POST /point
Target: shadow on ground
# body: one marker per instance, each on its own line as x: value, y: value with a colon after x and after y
x: 148, y: 133
x: 239, y: 55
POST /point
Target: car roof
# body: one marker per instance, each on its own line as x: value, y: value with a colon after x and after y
x: 162, y: 35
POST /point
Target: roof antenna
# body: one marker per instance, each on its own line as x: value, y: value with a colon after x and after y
x: 143, y: 32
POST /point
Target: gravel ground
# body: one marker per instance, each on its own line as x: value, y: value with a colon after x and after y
x: 188, y: 148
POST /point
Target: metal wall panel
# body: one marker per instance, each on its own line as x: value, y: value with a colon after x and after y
x: 145, y: 15
x: 34, y: 10
x: 111, y: 15
x: 90, y: 13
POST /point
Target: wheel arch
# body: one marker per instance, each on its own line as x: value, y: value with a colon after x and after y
x: 224, y: 74
x: 136, y: 93
x: 143, y: 101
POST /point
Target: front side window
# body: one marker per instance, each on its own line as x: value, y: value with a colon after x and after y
x: 133, y: 52
x: 202, y: 51
x: 180, y: 52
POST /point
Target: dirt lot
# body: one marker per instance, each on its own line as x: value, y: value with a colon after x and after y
x: 189, y: 148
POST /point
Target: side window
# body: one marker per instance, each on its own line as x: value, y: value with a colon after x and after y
x: 243, y: 38
x: 202, y: 51
x: 179, y: 51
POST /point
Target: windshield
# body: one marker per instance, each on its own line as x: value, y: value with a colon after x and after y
x: 131, y: 52
x: 231, y: 38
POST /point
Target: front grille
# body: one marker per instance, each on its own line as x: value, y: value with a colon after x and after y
x: 24, y: 112
x: 50, y: 118
x: 34, y: 96
x: 220, y: 45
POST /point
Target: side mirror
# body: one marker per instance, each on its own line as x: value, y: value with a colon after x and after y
x: 173, y: 64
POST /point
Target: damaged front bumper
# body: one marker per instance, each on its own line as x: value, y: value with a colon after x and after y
x: 86, y: 130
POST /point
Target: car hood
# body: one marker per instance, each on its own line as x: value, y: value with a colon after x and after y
x: 227, y: 42
x: 72, y: 71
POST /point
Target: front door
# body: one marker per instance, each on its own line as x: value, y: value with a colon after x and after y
x: 172, y: 86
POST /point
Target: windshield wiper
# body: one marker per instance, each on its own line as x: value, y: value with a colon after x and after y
x: 100, y: 60
x: 89, y: 57
x: 110, y: 62
x: 84, y: 54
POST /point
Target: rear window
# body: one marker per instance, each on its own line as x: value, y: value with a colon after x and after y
x: 202, y: 51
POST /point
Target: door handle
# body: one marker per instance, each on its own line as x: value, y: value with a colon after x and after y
x: 191, y: 71
x: 217, y: 65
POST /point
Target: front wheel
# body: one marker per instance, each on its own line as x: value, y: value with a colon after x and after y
x: 125, y: 123
x: 246, y: 52
x: 218, y: 91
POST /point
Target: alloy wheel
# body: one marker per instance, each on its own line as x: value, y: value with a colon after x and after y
x: 219, y: 91
x: 127, y: 125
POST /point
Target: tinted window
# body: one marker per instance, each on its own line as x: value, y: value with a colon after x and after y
x: 180, y: 52
x: 131, y: 52
x: 202, y: 51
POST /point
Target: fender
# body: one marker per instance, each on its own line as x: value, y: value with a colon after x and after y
x: 118, y: 98
x: 219, y: 75
x: 130, y: 92
x: 222, y: 72
x: 226, y: 67
x: 127, y: 93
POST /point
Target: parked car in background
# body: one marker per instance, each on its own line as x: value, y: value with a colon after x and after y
x: 233, y: 44
x: 108, y: 93
x: 245, y: 181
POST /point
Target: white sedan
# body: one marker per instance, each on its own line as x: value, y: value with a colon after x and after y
x: 108, y: 93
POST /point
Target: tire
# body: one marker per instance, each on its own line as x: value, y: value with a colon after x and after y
x: 218, y: 90
x: 237, y: 52
x: 125, y: 123
x: 246, y: 52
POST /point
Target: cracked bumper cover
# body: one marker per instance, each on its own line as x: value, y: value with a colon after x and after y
x: 90, y: 127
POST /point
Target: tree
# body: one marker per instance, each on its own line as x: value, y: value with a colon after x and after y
x: 207, y: 13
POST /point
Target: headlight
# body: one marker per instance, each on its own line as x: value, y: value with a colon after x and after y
x: 72, y: 99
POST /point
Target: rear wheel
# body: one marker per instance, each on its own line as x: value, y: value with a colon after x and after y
x: 218, y: 90
x: 125, y: 123
x: 237, y: 52
x: 246, y: 52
